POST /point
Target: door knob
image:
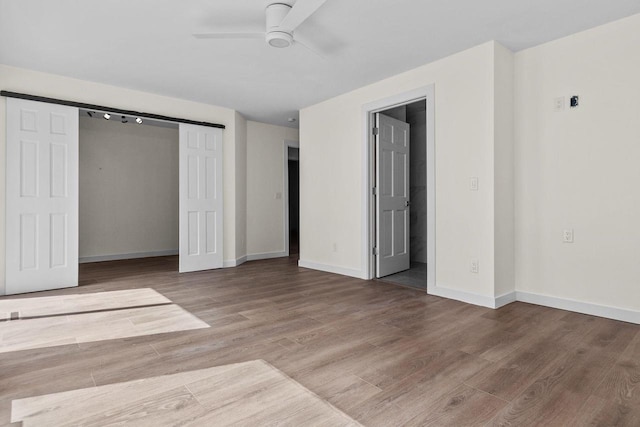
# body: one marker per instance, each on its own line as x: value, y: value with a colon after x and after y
x: 407, y: 203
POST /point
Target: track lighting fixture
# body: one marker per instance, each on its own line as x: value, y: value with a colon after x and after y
x: 117, y: 116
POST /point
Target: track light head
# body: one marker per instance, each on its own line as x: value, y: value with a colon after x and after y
x: 139, y: 120
x: 89, y: 113
x: 106, y: 116
x: 124, y: 119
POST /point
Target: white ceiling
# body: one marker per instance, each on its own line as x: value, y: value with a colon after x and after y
x: 147, y: 44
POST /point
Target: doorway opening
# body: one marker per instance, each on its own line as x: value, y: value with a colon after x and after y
x: 128, y: 192
x: 43, y: 204
x: 293, y: 169
x: 292, y: 199
x: 400, y: 189
x: 407, y: 172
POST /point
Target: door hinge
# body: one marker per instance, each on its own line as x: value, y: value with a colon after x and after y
x: 375, y: 250
x: 374, y: 191
x: 376, y: 131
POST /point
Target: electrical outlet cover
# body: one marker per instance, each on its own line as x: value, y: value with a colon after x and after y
x: 567, y: 236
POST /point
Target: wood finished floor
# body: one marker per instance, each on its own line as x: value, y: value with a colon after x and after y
x: 96, y: 316
x: 384, y: 354
x: 249, y: 393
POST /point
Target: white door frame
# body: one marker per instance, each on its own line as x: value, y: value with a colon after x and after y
x: 368, y: 182
x: 285, y: 170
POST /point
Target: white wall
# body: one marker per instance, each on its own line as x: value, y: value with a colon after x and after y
x: 128, y: 188
x: 43, y: 84
x: 331, y: 171
x: 580, y: 168
x: 241, y: 188
x: 265, y: 179
x: 503, y: 127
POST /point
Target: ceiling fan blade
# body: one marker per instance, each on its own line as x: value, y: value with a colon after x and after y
x: 310, y: 48
x: 229, y: 35
x: 301, y: 10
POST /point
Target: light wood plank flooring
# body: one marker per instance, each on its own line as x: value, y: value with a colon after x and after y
x: 70, y: 319
x: 384, y: 354
x: 249, y: 393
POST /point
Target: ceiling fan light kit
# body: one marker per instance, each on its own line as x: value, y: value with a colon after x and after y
x: 279, y: 39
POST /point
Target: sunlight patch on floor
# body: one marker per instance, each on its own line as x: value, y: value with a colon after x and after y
x: 80, y: 318
x: 80, y: 303
x: 249, y: 393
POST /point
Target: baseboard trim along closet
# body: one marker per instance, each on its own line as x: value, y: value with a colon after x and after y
x: 266, y: 255
x: 118, y: 257
x: 234, y: 262
x: 331, y: 269
x: 505, y: 299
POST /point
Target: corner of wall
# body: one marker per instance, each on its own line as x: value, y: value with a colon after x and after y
x: 265, y: 201
x: 230, y: 200
x: 503, y: 169
x: 3, y: 115
x: 241, y: 186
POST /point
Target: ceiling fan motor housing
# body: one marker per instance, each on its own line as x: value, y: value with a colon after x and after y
x: 276, y: 36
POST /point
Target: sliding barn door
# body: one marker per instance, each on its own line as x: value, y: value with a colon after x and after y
x: 42, y: 196
x: 392, y: 203
x: 200, y: 198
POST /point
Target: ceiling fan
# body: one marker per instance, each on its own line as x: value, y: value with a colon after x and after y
x: 282, y: 19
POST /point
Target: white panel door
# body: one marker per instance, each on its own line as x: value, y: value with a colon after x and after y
x: 392, y: 201
x: 42, y: 196
x: 200, y: 198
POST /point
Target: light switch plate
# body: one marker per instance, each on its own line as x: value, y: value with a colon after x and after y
x: 473, y: 183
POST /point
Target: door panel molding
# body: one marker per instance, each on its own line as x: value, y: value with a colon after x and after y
x: 42, y: 196
x: 392, y: 201
x: 201, y: 204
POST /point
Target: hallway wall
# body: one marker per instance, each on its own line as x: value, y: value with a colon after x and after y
x: 417, y: 119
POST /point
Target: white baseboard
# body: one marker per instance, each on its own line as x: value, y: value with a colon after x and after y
x: 505, y: 299
x: 331, y: 269
x: 117, y: 257
x: 266, y: 255
x: 592, y: 309
x: 234, y: 262
x: 464, y: 296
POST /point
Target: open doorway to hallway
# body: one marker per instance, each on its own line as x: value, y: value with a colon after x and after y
x: 293, y: 172
x: 401, y: 194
